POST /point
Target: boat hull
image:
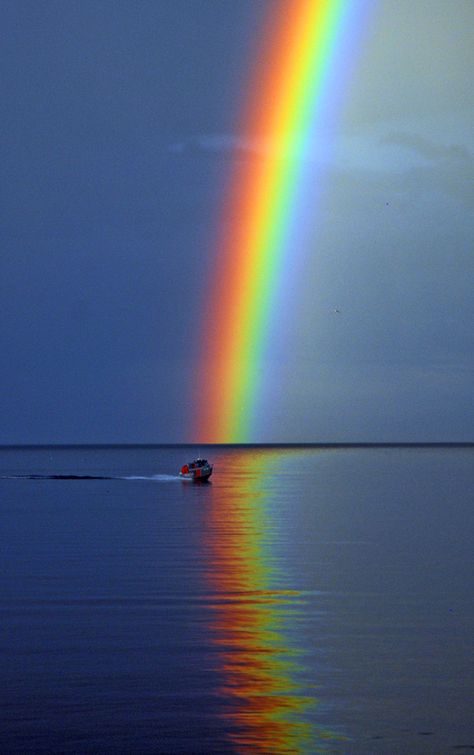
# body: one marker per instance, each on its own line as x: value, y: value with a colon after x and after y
x: 197, y: 475
x: 198, y: 470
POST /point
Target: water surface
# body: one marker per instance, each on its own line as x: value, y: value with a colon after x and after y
x: 307, y: 600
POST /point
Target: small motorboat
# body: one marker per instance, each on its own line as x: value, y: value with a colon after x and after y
x: 198, y: 470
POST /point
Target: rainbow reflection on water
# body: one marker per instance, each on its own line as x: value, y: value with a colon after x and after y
x: 268, y: 684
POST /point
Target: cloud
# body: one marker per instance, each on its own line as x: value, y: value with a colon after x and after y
x: 218, y: 143
x: 451, y: 168
x: 415, y: 163
x: 453, y: 153
x: 265, y: 146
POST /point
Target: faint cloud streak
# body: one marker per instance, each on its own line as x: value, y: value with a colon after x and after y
x: 453, y: 153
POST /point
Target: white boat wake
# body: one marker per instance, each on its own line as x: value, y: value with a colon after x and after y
x: 155, y: 478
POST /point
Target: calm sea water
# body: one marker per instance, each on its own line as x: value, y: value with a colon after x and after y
x: 307, y: 600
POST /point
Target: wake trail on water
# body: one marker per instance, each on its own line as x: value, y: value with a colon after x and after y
x: 153, y: 478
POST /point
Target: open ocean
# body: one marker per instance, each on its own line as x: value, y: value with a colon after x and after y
x: 306, y: 600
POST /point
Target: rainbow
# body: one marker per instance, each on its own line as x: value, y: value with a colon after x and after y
x: 306, y: 48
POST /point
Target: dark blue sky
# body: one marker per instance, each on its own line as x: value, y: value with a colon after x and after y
x: 118, y: 121
x: 106, y: 219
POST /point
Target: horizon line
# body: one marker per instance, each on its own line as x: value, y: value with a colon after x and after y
x: 281, y: 444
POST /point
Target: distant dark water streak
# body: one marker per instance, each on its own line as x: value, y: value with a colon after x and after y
x: 154, y: 478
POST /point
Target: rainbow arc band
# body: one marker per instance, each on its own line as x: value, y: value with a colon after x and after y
x: 302, y: 42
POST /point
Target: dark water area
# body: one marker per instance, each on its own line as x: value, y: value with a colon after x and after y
x: 305, y: 600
